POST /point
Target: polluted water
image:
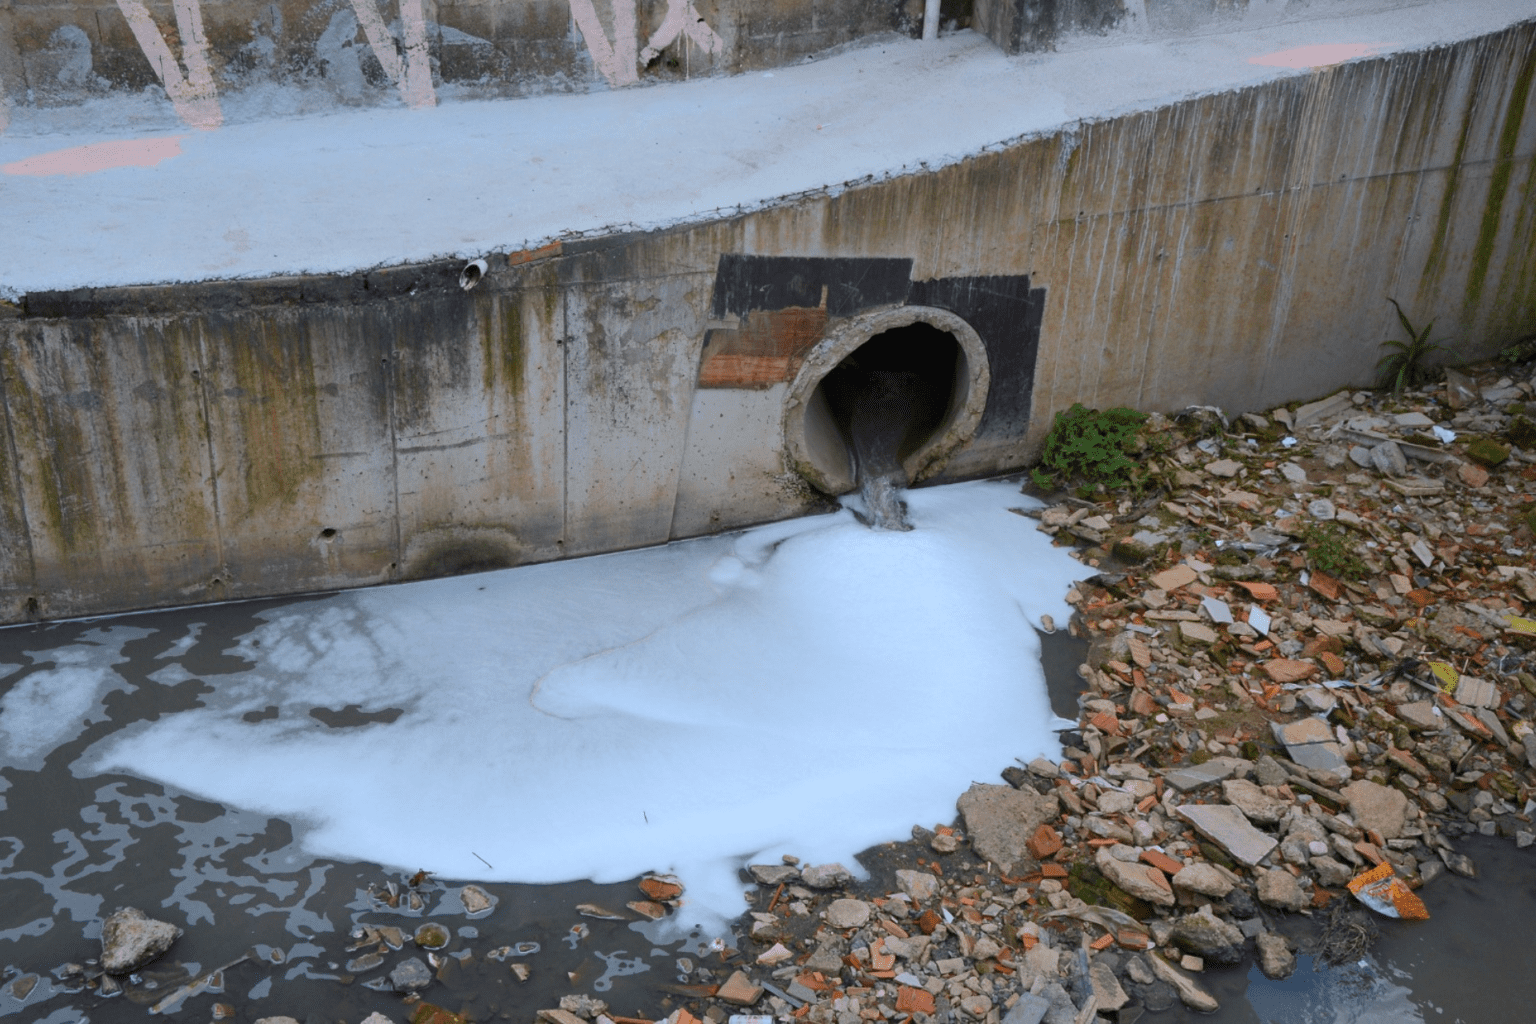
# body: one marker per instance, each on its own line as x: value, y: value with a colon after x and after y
x: 270, y: 777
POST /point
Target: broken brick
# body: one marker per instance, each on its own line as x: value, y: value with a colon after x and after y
x: 914, y: 1000
x: 1046, y: 842
x: 1284, y: 670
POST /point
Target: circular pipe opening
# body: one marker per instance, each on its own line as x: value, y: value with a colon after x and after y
x: 913, y: 378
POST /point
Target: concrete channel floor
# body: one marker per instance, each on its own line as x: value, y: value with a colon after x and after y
x: 360, y: 188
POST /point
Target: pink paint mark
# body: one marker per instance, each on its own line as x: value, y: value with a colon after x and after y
x: 1320, y: 55
x: 98, y: 156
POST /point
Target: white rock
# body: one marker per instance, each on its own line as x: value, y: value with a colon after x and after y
x: 130, y: 939
x: 845, y: 914
x: 922, y: 886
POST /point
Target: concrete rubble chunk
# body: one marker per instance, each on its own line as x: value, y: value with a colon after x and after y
x: 1189, y: 990
x: 1226, y: 468
x: 1045, y: 768
x: 1174, y: 578
x: 1316, y: 412
x: 130, y: 939
x: 1278, y: 888
x: 411, y: 974
x: 1421, y: 713
x: 1030, y: 1009
x: 1196, y: 775
x: 740, y: 990
x: 1388, y: 459
x: 1261, y: 808
x: 1203, y: 879
x: 1330, y: 872
x: 773, y: 874
x: 476, y: 900
x: 1476, y: 693
x: 1140, y: 880
x: 1311, y: 743
x: 844, y: 914
x: 1000, y: 821
x: 1198, y: 631
x: 1275, y: 957
x: 1377, y: 807
x: 1108, y: 994
x: 1207, y: 936
x: 1230, y: 829
x: 922, y: 886
x: 826, y: 876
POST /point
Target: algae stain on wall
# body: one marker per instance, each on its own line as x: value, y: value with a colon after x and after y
x: 273, y: 392
x: 1498, y: 185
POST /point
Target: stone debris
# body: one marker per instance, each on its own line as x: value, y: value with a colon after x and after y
x: 130, y: 939
x: 1001, y: 820
x: 1311, y: 654
x: 410, y: 975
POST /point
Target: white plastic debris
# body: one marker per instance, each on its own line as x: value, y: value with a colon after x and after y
x: 1217, y: 609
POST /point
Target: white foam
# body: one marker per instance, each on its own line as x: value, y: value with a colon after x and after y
x: 54, y: 704
x: 810, y: 686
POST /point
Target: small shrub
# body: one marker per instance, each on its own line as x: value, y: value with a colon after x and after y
x: 1330, y: 550
x: 1405, y: 367
x: 1092, y: 446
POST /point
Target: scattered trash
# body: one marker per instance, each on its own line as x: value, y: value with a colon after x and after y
x: 1382, y: 891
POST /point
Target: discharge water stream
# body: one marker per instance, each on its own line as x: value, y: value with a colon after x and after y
x: 259, y: 773
x: 879, y: 423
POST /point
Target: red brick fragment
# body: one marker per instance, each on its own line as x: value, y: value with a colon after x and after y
x: 1044, y: 843
x: 1162, y: 862
x: 1326, y: 585
x: 914, y: 1000
x: 1260, y: 591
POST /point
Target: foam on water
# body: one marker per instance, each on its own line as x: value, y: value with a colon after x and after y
x: 64, y: 692
x: 812, y: 687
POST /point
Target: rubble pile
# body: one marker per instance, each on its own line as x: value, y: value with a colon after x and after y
x: 1312, y: 655
x: 1312, y: 666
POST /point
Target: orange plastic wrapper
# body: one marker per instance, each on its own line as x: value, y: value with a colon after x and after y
x: 1385, y: 893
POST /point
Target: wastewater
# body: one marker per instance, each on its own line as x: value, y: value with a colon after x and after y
x: 227, y: 768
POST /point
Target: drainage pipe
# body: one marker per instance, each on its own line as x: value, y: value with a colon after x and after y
x: 930, y: 20
x: 816, y: 446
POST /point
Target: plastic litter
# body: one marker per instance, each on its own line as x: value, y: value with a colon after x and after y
x: 1382, y: 891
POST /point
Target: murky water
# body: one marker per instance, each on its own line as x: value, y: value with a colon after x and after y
x: 279, y: 921
x: 74, y: 849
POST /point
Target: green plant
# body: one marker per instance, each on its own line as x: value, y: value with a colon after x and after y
x: 1520, y: 351
x: 1330, y: 550
x: 1091, y: 445
x: 1405, y: 367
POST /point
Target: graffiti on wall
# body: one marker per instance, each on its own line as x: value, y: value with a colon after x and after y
x: 608, y: 28
x: 619, y: 59
x: 193, y: 93
x: 413, y: 75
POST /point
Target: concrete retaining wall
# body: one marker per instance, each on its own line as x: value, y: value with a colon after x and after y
x: 64, y: 52
x: 181, y: 444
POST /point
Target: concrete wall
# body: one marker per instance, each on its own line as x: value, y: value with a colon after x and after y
x: 64, y: 52
x: 166, y: 445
